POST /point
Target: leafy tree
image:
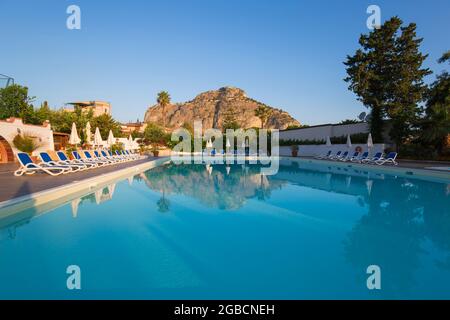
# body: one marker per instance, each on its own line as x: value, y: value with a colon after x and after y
x: 263, y: 113
x: 163, y: 100
x: 409, y: 88
x: 44, y: 112
x: 155, y: 135
x: 62, y: 120
x: 445, y: 57
x: 105, y: 122
x: 15, y: 102
x: 137, y: 134
x: 37, y: 116
x: 436, y: 123
x: 386, y: 75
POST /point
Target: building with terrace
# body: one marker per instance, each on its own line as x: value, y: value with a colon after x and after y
x: 98, y: 107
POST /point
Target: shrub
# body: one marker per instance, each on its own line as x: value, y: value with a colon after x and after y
x: 417, y: 151
x: 70, y: 149
x: 117, y: 147
x: 25, y: 143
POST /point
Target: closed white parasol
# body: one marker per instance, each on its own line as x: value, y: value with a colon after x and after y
x: 74, y: 139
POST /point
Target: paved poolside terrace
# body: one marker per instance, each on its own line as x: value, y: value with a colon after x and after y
x: 13, y: 187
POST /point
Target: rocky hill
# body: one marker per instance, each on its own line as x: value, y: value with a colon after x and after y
x: 213, y: 107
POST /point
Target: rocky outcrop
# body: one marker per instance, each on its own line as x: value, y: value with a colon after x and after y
x: 215, y: 107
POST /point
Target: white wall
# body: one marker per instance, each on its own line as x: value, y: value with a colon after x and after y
x: 313, y: 150
x: 345, y: 129
x: 322, y: 132
x: 9, y: 128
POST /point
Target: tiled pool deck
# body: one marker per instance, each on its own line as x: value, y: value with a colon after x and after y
x: 13, y: 187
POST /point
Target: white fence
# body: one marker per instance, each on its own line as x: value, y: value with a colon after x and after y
x: 313, y: 150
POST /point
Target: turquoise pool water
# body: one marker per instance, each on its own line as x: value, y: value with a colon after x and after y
x: 188, y: 232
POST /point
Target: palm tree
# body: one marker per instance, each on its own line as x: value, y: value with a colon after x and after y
x: 163, y: 100
x: 263, y: 113
x: 163, y: 203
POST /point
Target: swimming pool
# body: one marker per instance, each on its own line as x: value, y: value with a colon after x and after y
x: 217, y: 232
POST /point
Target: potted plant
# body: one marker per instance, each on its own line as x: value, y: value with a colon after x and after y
x: 117, y: 147
x: 69, y: 149
x: 142, y: 149
x: 294, y: 150
x: 155, y: 150
x: 26, y: 143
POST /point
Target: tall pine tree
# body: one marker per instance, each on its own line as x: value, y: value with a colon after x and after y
x: 436, y: 123
x: 408, y: 87
x: 386, y: 75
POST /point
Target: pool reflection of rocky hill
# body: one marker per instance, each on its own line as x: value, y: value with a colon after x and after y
x: 215, y: 186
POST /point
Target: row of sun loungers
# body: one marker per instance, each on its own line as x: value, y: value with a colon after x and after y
x: 379, y: 158
x: 82, y: 160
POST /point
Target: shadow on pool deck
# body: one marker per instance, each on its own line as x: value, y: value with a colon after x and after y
x: 12, y: 187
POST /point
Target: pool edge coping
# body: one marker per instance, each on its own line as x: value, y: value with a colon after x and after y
x: 417, y: 173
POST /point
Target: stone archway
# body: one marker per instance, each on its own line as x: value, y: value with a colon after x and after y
x: 6, y: 153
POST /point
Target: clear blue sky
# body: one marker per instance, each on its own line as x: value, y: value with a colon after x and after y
x: 287, y: 54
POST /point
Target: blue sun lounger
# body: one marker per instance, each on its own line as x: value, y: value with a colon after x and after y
x: 28, y: 167
x: 122, y: 156
x: 100, y: 157
x: 389, y: 159
x: 335, y: 156
x: 45, y: 157
x: 65, y: 160
x: 323, y: 156
x: 131, y: 155
x: 350, y: 157
x: 89, y: 157
x: 109, y: 157
x: 78, y: 157
x: 376, y: 157
x: 361, y: 158
x: 342, y: 156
